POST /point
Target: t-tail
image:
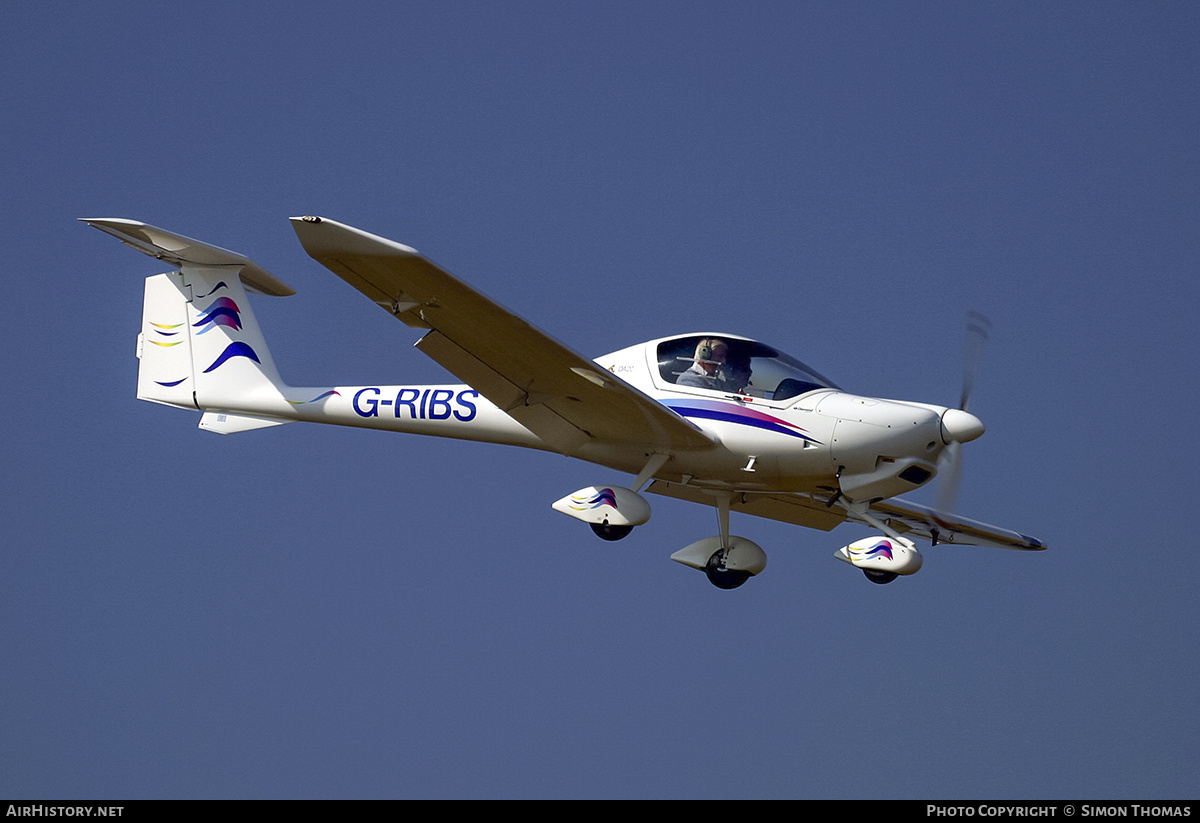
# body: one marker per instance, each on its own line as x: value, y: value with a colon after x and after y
x: 200, y: 346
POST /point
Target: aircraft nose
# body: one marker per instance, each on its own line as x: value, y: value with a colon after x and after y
x: 959, y: 426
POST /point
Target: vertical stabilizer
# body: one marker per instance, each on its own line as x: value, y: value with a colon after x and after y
x: 201, y: 348
x: 231, y: 364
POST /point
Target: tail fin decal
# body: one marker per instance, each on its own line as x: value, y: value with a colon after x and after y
x: 231, y: 364
x: 224, y: 312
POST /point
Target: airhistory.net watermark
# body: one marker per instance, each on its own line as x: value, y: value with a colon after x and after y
x: 45, y: 810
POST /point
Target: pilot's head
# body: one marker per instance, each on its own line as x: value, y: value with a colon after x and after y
x: 736, y: 370
x: 711, y: 353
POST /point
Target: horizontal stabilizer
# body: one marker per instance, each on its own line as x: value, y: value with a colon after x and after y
x: 179, y: 250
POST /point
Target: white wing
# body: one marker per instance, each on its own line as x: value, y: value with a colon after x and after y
x: 564, y: 398
x: 910, y: 519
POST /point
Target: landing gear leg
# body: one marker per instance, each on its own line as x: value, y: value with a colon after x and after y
x: 718, y: 574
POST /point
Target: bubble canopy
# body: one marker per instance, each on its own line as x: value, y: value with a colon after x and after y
x: 721, y: 362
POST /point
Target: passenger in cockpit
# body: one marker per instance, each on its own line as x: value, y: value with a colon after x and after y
x: 704, y: 373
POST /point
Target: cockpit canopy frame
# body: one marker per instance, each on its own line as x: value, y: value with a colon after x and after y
x: 744, y: 367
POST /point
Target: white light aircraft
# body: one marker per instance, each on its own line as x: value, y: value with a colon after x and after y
x: 712, y: 418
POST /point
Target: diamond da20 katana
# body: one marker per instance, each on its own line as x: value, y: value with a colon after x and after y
x: 708, y: 417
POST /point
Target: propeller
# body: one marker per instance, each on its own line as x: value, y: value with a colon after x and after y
x: 958, y: 425
x: 978, y: 329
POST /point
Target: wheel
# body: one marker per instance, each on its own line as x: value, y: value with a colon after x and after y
x: 722, y: 577
x: 879, y: 577
x: 608, y: 532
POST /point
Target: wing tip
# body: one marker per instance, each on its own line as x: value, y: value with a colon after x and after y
x: 1033, y: 544
x: 333, y: 236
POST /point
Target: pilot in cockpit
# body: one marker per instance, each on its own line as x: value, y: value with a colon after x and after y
x: 714, y: 368
x: 736, y: 371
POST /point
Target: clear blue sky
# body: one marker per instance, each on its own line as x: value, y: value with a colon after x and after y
x: 320, y: 612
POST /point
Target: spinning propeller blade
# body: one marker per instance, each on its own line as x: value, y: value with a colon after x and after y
x: 978, y: 329
x: 950, y: 471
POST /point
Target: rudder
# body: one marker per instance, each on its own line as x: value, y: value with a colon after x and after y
x: 164, y: 347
